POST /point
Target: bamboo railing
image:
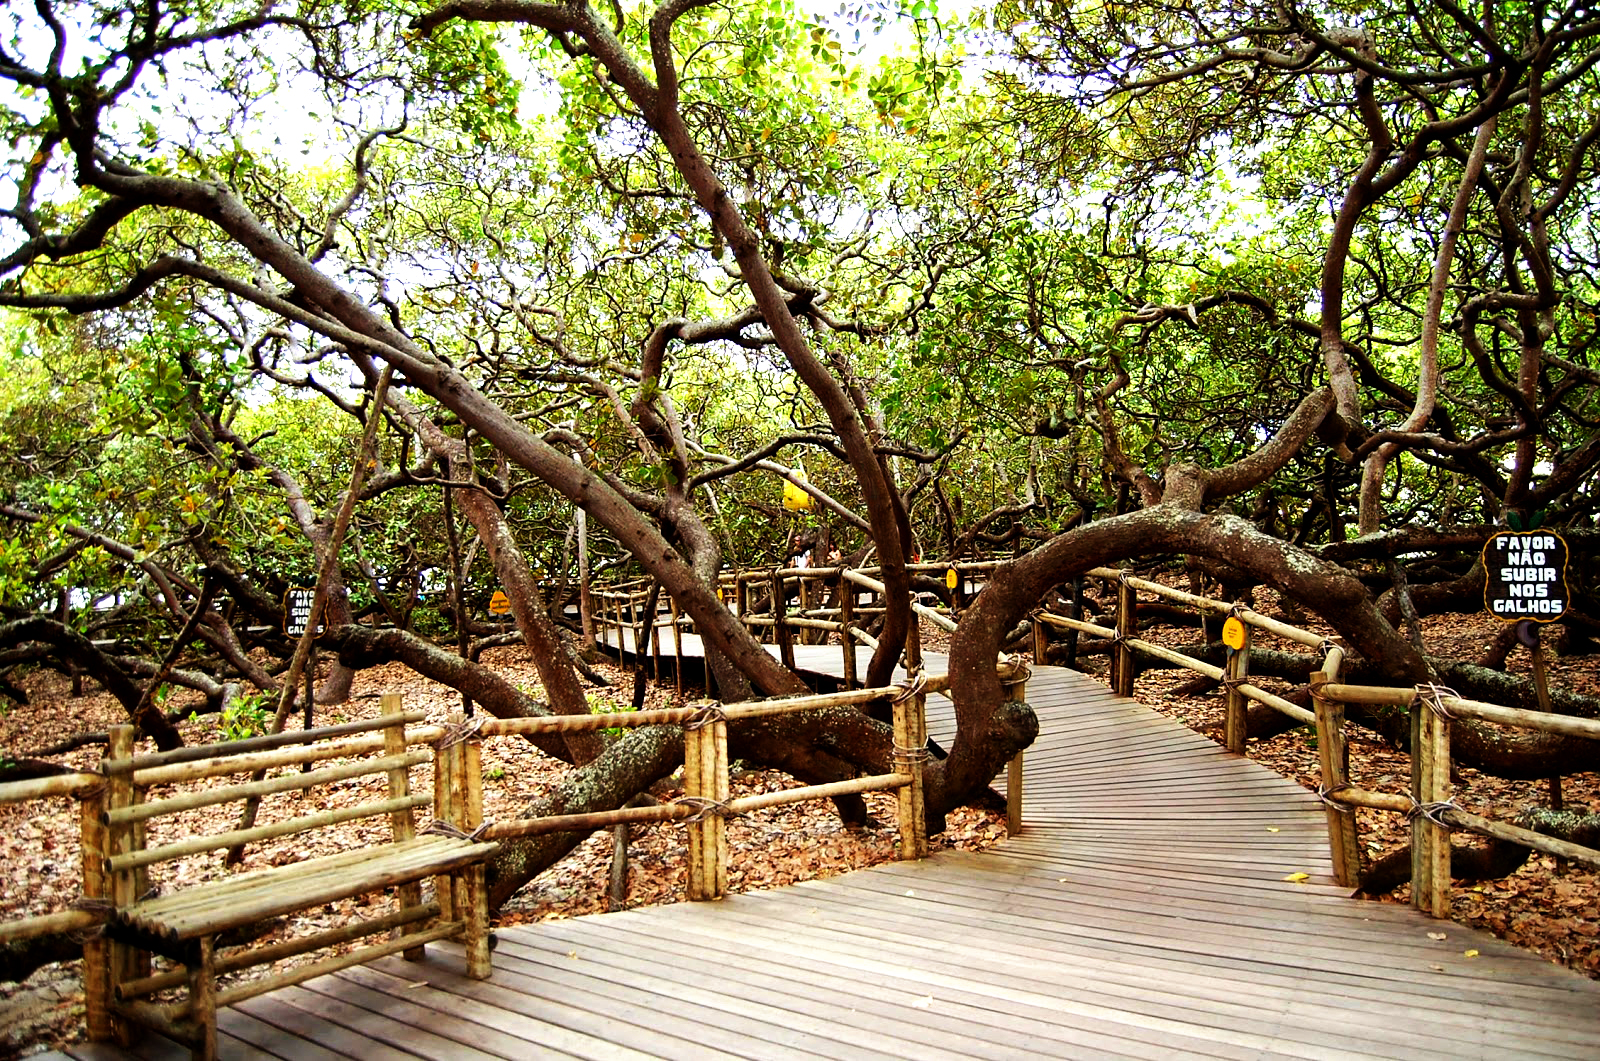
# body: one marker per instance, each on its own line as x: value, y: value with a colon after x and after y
x: 619, y: 611
x: 707, y: 801
x: 794, y: 606
x: 87, y: 913
x: 1432, y: 708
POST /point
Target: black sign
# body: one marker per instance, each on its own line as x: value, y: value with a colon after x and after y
x: 297, y: 610
x: 1525, y: 576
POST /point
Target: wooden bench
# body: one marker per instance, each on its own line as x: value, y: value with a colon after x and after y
x: 183, y: 925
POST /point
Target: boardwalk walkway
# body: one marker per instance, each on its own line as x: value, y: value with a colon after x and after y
x: 1141, y: 913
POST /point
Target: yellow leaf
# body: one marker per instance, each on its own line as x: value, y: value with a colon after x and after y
x: 1473, y: 953
x: 1272, y: 828
x: 1298, y: 878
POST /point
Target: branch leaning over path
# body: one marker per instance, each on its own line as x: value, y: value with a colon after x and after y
x: 657, y: 102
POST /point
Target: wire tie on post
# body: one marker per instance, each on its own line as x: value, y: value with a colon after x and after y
x: 915, y: 684
x: 1433, y: 812
x: 705, y: 808
x: 99, y: 907
x: 908, y: 757
x: 459, y: 733
x: 440, y: 827
x: 1021, y: 669
x: 1326, y: 793
x: 1434, y: 699
x: 706, y: 712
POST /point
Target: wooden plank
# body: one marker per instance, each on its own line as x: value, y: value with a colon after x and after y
x: 954, y: 969
x: 957, y: 1024
x: 1173, y: 1008
x: 275, y: 1011
x: 460, y: 1035
x: 379, y: 1025
x: 517, y: 993
x: 441, y: 987
x: 738, y: 952
x: 289, y: 1044
x: 713, y: 999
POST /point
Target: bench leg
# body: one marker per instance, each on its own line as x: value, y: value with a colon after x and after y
x: 121, y: 962
x: 477, y: 917
x: 97, y: 989
x: 203, y: 1002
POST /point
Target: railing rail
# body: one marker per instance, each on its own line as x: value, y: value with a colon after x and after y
x: 707, y: 802
x: 89, y: 790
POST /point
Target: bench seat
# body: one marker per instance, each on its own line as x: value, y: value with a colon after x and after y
x: 170, y: 924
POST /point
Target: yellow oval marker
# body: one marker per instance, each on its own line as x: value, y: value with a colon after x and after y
x: 1233, y: 634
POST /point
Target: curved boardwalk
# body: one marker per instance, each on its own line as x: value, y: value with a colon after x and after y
x: 1141, y: 913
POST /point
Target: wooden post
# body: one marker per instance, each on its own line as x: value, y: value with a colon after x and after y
x: 1127, y: 626
x: 1436, y: 774
x: 617, y: 898
x: 640, y: 652
x: 1236, y: 726
x: 802, y: 588
x: 203, y: 1000
x: 910, y: 753
x: 1421, y: 838
x: 780, y: 628
x: 913, y: 642
x: 306, y: 714
x: 1041, y: 639
x: 717, y: 743
x: 96, y: 886
x: 401, y: 824
x: 475, y: 901
x: 705, y: 777
x: 585, y: 588
x: 121, y: 959
x: 694, y: 787
x: 655, y: 640
x: 1016, y: 687
x: 1333, y: 751
x: 677, y: 645
x: 1075, y: 612
x: 620, y: 599
x: 741, y: 598
x: 847, y: 616
x: 445, y: 809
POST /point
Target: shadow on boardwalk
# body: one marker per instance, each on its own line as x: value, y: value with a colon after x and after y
x: 1142, y: 912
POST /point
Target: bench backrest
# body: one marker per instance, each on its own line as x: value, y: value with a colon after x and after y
x: 326, y: 758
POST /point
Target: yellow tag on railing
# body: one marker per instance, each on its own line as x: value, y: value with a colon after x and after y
x: 1234, y: 633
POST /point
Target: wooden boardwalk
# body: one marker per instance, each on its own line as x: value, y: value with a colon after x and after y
x: 1141, y: 913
